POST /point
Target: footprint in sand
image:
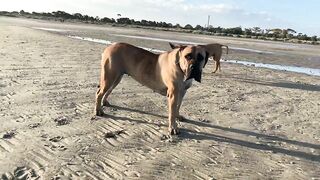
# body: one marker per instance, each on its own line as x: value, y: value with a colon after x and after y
x: 9, y: 134
x: 56, y: 139
x: 21, y: 173
x: 33, y: 125
x: 62, y: 121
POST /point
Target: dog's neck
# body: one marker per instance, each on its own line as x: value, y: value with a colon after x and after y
x: 178, y: 65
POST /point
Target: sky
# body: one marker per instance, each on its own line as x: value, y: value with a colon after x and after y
x: 300, y: 15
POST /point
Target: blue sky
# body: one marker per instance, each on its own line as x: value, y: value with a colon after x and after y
x: 302, y: 16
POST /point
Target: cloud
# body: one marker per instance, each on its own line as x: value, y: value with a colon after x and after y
x: 210, y: 8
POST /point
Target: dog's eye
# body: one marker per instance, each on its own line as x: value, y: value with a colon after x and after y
x: 188, y: 57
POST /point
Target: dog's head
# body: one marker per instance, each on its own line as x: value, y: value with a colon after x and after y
x: 210, y: 50
x: 191, y: 60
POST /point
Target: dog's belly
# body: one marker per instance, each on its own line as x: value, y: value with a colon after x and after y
x: 163, y: 92
x: 156, y: 85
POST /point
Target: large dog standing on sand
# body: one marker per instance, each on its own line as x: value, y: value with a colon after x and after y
x: 169, y: 73
x: 214, y: 50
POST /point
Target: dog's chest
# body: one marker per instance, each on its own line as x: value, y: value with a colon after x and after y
x: 186, y: 85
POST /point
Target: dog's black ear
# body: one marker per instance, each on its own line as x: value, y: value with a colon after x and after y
x: 173, y: 46
x: 179, y: 53
x: 180, y: 46
x: 206, y: 59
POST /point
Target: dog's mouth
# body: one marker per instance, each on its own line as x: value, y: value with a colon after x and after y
x: 196, y: 73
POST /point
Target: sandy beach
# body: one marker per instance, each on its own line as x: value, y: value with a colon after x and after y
x: 242, y: 123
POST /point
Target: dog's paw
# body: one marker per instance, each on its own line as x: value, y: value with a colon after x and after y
x: 99, y: 113
x: 173, y: 131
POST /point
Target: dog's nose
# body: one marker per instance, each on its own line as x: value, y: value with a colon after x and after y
x: 191, y: 66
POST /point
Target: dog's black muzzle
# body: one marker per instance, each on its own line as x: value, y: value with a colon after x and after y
x: 196, y: 72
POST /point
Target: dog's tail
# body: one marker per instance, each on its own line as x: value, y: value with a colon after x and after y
x: 226, y: 48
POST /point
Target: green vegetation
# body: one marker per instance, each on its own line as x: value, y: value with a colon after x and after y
x: 276, y: 34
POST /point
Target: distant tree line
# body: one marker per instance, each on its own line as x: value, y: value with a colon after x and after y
x: 276, y: 34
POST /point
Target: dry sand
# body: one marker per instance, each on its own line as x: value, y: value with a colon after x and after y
x: 243, y: 123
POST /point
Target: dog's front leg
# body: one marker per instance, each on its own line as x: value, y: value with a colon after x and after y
x: 173, y: 97
x: 179, y: 117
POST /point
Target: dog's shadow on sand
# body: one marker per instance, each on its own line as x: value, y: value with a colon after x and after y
x: 191, y: 134
x: 136, y: 111
x: 125, y: 118
x: 187, y: 133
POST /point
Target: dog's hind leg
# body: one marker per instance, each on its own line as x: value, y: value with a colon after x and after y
x: 217, y: 66
x: 217, y: 58
x: 107, y: 79
x: 98, y: 111
x: 105, y: 98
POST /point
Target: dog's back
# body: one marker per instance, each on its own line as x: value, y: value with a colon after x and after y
x: 121, y: 51
x: 132, y: 60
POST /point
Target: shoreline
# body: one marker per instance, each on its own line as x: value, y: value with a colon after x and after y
x: 176, y: 30
x: 304, y: 70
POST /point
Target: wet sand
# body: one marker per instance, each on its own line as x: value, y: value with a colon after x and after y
x: 243, y: 123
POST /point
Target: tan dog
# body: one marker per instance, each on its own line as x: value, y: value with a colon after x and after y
x: 169, y: 73
x: 214, y: 50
